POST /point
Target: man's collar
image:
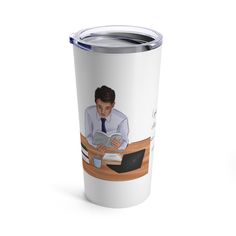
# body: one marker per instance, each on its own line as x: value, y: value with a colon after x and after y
x: 108, y: 118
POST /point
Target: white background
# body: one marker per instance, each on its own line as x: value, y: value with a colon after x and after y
x: 194, y: 172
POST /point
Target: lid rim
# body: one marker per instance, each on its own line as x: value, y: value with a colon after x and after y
x: 77, y: 39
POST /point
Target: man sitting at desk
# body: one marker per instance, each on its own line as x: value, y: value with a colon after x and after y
x: 104, y: 118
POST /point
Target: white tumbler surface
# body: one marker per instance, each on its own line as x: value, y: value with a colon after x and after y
x: 117, y: 77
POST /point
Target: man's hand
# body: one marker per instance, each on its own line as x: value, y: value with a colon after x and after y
x: 101, y: 148
x: 116, y: 143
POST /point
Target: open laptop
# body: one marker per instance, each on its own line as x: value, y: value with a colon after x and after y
x: 131, y: 161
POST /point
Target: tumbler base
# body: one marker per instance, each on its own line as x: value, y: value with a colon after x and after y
x: 117, y: 194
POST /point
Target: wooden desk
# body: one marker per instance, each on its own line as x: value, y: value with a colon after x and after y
x: 108, y: 174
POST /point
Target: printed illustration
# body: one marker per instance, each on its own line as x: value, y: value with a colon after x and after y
x: 105, y: 146
x: 105, y: 127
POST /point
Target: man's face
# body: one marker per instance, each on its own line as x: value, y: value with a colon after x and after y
x: 104, y: 108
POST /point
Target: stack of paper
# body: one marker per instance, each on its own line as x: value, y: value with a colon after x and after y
x: 112, y: 157
x: 84, y: 153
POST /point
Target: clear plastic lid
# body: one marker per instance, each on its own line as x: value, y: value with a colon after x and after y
x: 117, y: 39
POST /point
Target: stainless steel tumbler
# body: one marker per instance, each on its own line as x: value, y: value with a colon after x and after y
x: 117, y: 73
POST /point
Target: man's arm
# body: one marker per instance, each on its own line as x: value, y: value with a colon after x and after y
x: 123, y: 128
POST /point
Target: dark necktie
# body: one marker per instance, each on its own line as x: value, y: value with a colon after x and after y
x: 103, y: 125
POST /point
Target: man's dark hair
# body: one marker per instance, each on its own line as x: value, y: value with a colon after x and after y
x: 105, y: 94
